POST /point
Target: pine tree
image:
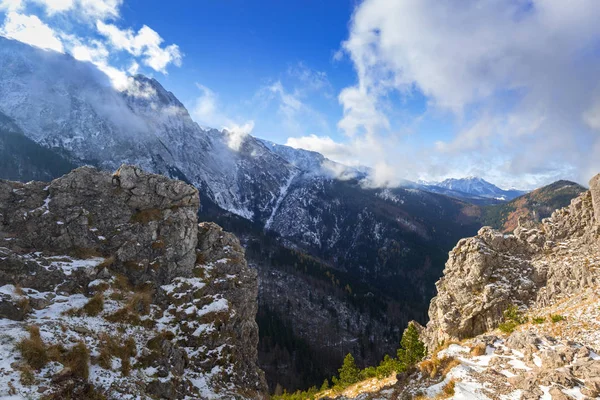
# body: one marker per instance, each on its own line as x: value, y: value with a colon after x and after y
x: 325, y: 385
x: 411, y: 350
x: 349, y: 372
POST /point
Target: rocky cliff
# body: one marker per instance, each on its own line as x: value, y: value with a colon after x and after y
x: 535, y: 266
x: 109, y: 287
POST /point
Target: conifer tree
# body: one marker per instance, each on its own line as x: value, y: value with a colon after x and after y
x: 325, y: 385
x: 411, y: 350
x: 349, y: 372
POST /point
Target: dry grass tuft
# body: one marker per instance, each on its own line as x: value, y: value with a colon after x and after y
x: 449, y: 389
x: 33, y: 349
x: 78, y: 360
x: 478, y: 350
x: 95, y: 305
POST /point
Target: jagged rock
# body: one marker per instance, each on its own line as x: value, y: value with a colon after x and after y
x: 10, y: 308
x: 595, y: 191
x: 89, y: 211
x: 162, y: 390
x: 558, y: 394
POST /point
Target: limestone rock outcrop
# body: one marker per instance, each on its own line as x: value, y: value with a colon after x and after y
x: 488, y: 273
x: 595, y: 191
x: 113, y: 259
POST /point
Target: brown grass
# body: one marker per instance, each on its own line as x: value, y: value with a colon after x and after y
x: 115, y: 346
x: 78, y: 360
x: 33, y: 349
x: 437, y: 366
x: 121, y: 282
x: 140, y: 302
x: 449, y: 389
x: 27, y: 377
x: 19, y: 290
x: 478, y: 349
x: 95, y: 305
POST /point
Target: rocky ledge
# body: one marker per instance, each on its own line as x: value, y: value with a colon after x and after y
x: 109, y: 288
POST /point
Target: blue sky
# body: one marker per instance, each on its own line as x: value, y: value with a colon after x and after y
x: 416, y: 89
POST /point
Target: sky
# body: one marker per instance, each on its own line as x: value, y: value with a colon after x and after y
x: 508, y: 90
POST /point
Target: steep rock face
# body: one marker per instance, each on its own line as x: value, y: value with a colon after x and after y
x: 491, y: 271
x: 102, y: 259
x: 595, y: 191
x: 122, y: 215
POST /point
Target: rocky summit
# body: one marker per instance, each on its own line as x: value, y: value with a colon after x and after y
x: 110, y: 288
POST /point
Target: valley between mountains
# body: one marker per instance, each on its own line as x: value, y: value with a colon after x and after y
x: 318, y: 263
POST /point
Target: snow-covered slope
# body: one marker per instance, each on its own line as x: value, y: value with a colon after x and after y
x: 314, y: 163
x: 69, y: 105
x: 472, y: 187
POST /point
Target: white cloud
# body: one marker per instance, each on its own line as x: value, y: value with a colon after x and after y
x: 146, y: 43
x: 207, y: 112
x: 519, y: 77
x: 56, y: 6
x: 100, y: 9
x: 325, y: 145
x: 31, y: 30
x: 11, y: 5
x: 237, y: 134
x: 86, y: 9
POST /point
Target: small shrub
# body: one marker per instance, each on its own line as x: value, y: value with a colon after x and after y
x: 145, y: 216
x: 95, y: 305
x: 512, y: 313
x: 105, y: 358
x: 74, y: 390
x: 200, y: 259
x: 369, y: 372
x: 512, y: 318
x: 508, y: 326
x: 56, y: 352
x: 557, y: 318
x: 538, y: 320
x: 23, y: 304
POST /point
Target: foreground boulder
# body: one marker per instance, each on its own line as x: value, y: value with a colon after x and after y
x: 116, y: 269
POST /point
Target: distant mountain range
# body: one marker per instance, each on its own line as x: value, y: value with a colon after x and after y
x: 472, y: 189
